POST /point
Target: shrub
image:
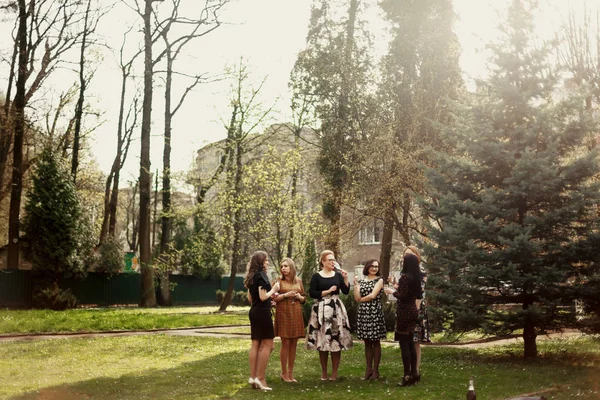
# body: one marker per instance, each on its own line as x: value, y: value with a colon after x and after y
x: 110, y: 259
x: 54, y: 298
x: 239, y: 298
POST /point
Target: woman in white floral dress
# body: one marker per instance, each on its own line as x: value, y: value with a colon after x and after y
x: 370, y: 320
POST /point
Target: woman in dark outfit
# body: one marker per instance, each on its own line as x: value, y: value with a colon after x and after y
x: 328, y: 327
x: 407, y: 291
x: 261, y: 324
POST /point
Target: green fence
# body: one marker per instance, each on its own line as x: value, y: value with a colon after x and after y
x: 15, y: 288
x: 121, y: 289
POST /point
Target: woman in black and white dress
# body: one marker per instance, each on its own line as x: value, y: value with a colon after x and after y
x: 370, y: 320
x: 329, y: 326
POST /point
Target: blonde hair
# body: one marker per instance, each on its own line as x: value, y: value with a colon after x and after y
x: 290, y: 263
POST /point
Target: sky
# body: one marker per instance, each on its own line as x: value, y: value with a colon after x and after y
x: 268, y: 34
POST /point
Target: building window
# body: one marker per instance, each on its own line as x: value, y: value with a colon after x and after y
x: 370, y: 234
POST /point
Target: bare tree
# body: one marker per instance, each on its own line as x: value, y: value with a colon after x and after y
x: 90, y: 22
x: 206, y: 22
x: 148, y: 296
x: 125, y: 127
x: 19, y: 128
x: 248, y: 113
x: 52, y: 29
x: 132, y: 219
x: 579, y: 37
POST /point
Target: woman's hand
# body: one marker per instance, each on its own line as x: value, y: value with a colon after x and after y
x: 344, y: 273
x: 388, y: 290
x: 355, y: 279
x: 332, y: 289
x: 276, y: 287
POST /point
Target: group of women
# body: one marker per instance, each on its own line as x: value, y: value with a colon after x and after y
x: 328, y: 327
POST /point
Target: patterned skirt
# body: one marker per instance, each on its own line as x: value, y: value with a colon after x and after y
x: 329, y: 326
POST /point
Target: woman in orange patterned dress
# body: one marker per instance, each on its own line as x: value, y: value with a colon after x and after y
x: 289, y: 322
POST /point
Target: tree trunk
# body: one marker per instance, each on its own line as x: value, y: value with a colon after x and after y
x: 6, y: 123
x: 19, y: 124
x: 133, y: 218
x: 114, y: 201
x: 290, y: 247
x: 405, y: 216
x: 529, y: 336
x: 104, y: 225
x: 166, y: 220
x: 332, y: 242
x: 148, y: 298
x: 386, y: 243
x: 154, y: 219
x: 80, y: 100
x: 237, y: 223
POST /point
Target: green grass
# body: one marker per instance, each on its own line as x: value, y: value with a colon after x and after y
x: 110, y: 319
x: 173, y: 367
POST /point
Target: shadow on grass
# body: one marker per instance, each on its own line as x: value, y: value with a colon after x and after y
x: 220, y: 376
x: 499, y: 373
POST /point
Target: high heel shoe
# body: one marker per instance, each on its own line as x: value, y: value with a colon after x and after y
x: 374, y: 376
x: 406, y: 381
x: 252, y: 382
x: 260, y: 385
x: 367, y: 376
x: 416, y: 378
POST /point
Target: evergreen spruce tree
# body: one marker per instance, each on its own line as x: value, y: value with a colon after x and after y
x: 515, y: 209
x: 57, y: 232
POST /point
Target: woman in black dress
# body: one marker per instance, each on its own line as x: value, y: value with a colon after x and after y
x: 407, y: 291
x: 261, y: 324
x: 370, y: 320
x: 421, y: 333
x: 328, y: 327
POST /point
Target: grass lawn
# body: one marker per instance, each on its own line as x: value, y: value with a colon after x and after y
x: 111, y: 319
x: 173, y: 367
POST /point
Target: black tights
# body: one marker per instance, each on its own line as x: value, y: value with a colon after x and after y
x: 409, y: 354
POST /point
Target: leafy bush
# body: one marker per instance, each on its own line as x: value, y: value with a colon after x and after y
x: 54, y: 298
x: 110, y: 259
x: 239, y: 298
x: 200, y: 251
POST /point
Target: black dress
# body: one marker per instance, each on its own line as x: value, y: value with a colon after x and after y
x: 261, y: 323
x: 406, y: 311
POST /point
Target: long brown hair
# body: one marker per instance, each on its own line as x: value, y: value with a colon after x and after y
x: 414, y: 250
x: 290, y: 263
x: 256, y: 264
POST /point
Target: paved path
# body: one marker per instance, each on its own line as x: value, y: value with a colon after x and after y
x: 225, y: 332
x: 210, y: 331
